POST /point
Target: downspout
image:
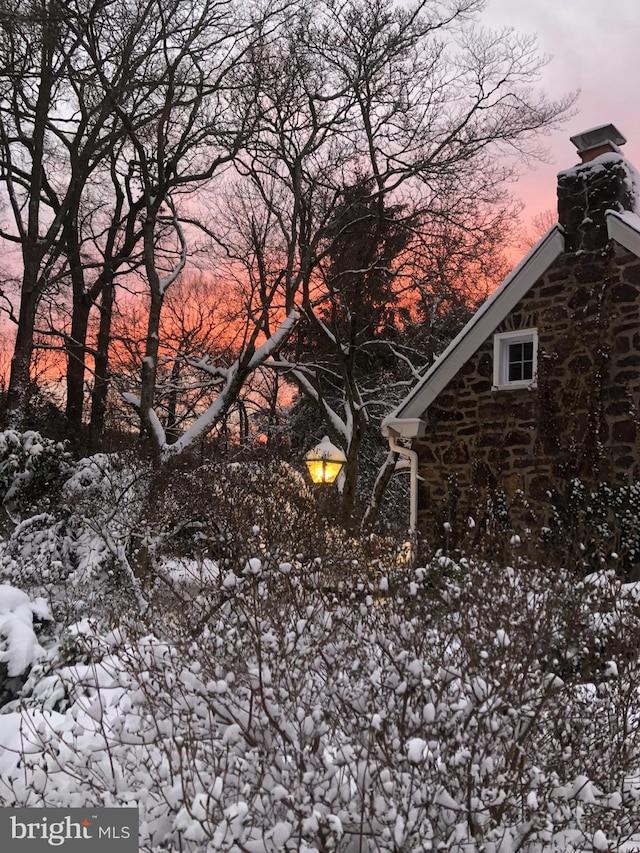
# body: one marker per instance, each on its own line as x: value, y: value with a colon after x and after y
x: 412, y: 456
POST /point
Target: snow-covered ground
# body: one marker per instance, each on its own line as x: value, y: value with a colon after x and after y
x: 292, y: 725
x: 292, y: 700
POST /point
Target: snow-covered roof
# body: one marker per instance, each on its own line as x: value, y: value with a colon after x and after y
x: 406, y: 419
x: 624, y: 228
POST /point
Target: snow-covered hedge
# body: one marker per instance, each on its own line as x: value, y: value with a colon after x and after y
x: 215, y: 506
x: 472, y: 709
x: 600, y: 526
x: 256, y: 681
x: 76, y: 545
x: 31, y: 470
x: 19, y: 645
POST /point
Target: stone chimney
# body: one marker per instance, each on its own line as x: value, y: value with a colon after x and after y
x: 597, y: 184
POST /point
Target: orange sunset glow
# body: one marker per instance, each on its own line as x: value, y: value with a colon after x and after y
x: 591, y: 47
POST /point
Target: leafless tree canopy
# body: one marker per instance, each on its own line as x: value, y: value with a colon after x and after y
x: 137, y: 140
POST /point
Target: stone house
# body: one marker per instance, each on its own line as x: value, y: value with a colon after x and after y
x: 542, y: 386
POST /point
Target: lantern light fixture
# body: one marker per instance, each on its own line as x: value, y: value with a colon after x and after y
x: 324, y: 462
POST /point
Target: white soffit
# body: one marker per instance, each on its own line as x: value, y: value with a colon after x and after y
x: 480, y: 326
x: 403, y: 427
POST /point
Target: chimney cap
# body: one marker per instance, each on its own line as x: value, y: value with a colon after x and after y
x: 598, y: 137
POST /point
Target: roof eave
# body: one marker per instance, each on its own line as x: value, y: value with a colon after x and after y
x: 624, y: 228
x: 403, y: 427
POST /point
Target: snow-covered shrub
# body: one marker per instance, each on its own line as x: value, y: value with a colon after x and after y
x: 19, y: 646
x: 32, y: 469
x: 227, y: 513
x: 585, y: 528
x: 107, y: 494
x: 473, y: 710
x: 478, y: 522
x: 77, y: 553
x: 266, y: 682
x: 122, y: 534
x: 215, y: 506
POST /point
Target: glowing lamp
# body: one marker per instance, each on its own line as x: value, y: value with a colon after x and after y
x: 324, y: 461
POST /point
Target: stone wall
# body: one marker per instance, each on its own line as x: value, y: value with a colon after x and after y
x: 582, y: 420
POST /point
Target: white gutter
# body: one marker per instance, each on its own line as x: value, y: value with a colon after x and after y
x: 413, y: 482
x: 403, y: 427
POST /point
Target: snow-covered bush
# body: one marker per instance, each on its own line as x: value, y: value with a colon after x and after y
x: 120, y: 530
x: 32, y: 469
x: 474, y: 709
x: 77, y: 552
x: 19, y: 646
x: 214, y: 506
x: 598, y: 526
x: 584, y: 527
x: 255, y: 680
x: 227, y: 513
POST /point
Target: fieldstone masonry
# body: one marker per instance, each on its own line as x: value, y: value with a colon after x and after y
x: 585, y: 193
x: 582, y: 420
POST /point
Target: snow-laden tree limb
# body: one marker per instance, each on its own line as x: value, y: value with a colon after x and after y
x: 236, y: 375
x: 166, y: 281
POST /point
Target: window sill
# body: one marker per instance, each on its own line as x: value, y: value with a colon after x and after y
x: 512, y: 386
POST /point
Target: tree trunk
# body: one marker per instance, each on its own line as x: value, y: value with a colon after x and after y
x: 380, y: 486
x: 351, y: 470
x: 20, y: 375
x: 75, y: 346
x: 101, y: 371
x: 105, y: 288
x: 150, y: 362
x: 172, y: 405
x: 34, y: 248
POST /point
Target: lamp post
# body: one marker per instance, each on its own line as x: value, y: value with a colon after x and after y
x: 324, y: 462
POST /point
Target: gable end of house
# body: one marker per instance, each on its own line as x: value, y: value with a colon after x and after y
x: 595, y: 205
x: 403, y: 421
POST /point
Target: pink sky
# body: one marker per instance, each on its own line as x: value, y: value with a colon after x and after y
x: 595, y: 48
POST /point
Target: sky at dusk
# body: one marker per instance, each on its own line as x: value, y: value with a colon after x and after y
x: 595, y: 47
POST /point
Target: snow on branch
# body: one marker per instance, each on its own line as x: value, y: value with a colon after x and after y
x: 166, y: 282
x: 312, y: 392
x: 217, y: 374
x: 233, y: 378
x: 272, y: 344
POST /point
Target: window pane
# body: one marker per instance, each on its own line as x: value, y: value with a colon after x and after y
x: 527, y: 360
x: 515, y: 371
x: 520, y: 362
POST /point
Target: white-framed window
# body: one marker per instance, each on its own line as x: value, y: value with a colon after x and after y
x: 515, y: 359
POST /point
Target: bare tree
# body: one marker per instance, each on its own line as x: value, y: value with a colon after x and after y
x: 196, y: 325
x: 538, y: 226
x: 147, y: 93
x: 286, y: 106
x: 55, y: 129
x: 197, y: 50
x: 419, y: 106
